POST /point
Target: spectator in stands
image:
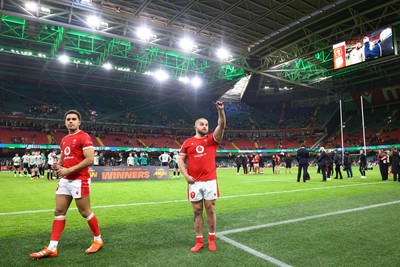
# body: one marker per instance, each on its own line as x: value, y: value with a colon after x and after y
x: 348, y: 161
x: 362, y: 161
x: 394, y: 162
x: 302, y: 158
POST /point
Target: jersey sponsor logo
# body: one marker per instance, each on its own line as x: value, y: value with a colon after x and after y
x: 200, y: 149
x: 67, y: 151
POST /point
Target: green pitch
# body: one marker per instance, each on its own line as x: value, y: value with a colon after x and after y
x: 261, y: 219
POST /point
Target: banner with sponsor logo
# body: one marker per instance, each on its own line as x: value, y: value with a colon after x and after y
x: 124, y: 173
x: 379, y: 96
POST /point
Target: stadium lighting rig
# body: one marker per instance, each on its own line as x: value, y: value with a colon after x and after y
x: 161, y: 75
x: 144, y: 33
x: 223, y: 54
x: 187, y: 44
x: 64, y: 59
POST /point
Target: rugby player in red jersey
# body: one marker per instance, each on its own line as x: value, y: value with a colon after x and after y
x: 77, y: 155
x: 197, y: 164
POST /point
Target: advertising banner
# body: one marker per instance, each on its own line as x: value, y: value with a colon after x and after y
x: 124, y: 173
x: 379, y: 96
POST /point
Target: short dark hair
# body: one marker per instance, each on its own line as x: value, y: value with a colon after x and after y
x: 72, y: 111
x: 303, y: 145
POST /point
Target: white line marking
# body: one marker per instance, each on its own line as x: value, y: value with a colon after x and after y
x: 256, y: 253
x: 185, y: 200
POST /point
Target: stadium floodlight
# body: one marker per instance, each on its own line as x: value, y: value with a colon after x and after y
x: 31, y: 6
x: 187, y: 44
x: 107, y: 66
x: 93, y: 21
x: 161, y: 75
x: 144, y: 33
x: 184, y: 79
x: 223, y: 53
x: 64, y: 59
x: 196, y: 82
x: 45, y: 10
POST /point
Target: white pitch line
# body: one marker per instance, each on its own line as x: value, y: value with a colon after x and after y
x: 221, y: 235
x: 185, y: 200
x: 254, y: 252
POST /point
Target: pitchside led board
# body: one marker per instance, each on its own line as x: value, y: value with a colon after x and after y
x: 376, y: 44
x: 125, y: 173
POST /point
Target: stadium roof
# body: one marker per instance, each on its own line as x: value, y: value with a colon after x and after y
x: 285, y: 45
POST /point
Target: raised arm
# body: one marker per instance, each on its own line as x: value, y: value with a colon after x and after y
x: 219, y: 131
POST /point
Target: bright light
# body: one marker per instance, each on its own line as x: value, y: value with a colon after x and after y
x: 184, y: 79
x: 187, y: 44
x: 64, y: 59
x: 107, y: 66
x: 31, y: 6
x: 161, y: 75
x: 45, y: 10
x: 223, y: 54
x: 93, y: 21
x: 144, y: 33
x: 196, y: 82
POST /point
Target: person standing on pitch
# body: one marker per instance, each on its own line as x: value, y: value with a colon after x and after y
x: 322, y: 163
x: 363, y: 163
x: 199, y: 154
x: 165, y: 159
x: 302, y: 159
x: 77, y: 155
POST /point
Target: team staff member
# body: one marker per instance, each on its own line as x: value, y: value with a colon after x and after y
x: 322, y: 163
x: 302, y: 159
x: 77, y: 154
x: 199, y: 154
x: 363, y: 163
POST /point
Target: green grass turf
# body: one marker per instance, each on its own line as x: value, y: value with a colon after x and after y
x: 150, y: 223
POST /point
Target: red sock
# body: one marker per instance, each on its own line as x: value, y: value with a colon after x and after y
x: 211, y: 242
x: 58, y: 227
x: 94, y: 225
x: 199, y: 244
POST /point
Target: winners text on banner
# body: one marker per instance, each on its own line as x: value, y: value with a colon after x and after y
x: 116, y: 173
